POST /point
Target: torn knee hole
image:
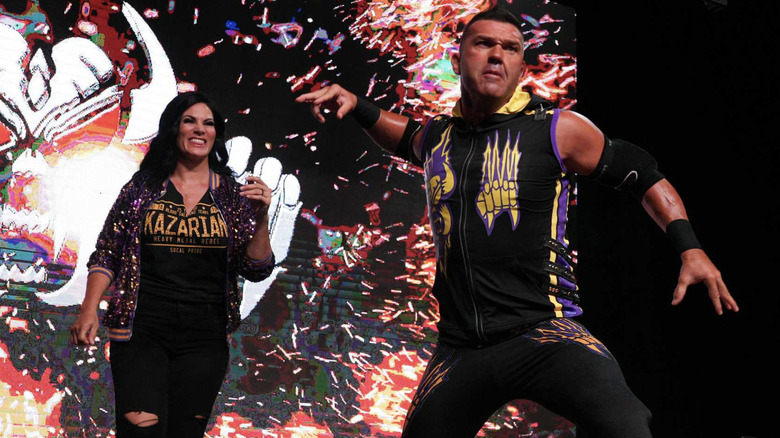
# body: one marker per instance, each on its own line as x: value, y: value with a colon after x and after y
x: 142, y: 419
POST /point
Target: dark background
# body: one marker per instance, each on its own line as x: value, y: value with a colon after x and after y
x: 694, y: 83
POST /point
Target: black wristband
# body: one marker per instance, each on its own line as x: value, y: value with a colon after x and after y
x: 682, y: 236
x: 365, y: 113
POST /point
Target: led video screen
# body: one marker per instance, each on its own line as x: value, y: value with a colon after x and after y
x: 335, y: 341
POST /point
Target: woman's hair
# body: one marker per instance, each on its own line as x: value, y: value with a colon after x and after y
x: 160, y: 161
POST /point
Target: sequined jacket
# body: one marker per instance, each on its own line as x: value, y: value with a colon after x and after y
x: 118, y: 249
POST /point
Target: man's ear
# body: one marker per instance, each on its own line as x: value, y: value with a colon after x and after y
x: 523, y: 71
x: 455, y: 62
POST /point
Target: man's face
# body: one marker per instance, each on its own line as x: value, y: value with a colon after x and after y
x: 490, y: 61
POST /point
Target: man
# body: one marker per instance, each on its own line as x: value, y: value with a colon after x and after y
x: 498, y: 178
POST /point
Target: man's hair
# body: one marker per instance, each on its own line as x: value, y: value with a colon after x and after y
x: 496, y: 13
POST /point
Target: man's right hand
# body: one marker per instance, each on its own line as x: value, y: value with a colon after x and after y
x: 329, y: 98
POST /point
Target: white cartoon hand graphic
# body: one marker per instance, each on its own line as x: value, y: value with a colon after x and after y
x: 69, y: 181
x: 282, y: 212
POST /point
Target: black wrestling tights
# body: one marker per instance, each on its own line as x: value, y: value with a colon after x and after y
x: 558, y: 364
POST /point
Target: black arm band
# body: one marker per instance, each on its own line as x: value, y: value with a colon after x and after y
x: 681, y: 235
x: 365, y: 113
x: 404, y: 148
x: 626, y: 167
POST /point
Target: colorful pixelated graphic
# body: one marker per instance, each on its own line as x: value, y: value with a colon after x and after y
x: 334, y: 343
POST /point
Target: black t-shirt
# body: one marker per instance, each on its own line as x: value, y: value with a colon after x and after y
x: 184, y: 256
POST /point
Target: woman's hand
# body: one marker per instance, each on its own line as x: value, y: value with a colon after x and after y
x: 259, y: 196
x: 84, y: 330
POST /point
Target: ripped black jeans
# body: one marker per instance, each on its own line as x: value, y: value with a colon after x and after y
x: 172, y: 367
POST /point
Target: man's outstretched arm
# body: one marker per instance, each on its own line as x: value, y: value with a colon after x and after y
x: 665, y: 206
x: 386, y: 129
x: 585, y: 150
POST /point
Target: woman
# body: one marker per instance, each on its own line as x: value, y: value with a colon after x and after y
x: 173, y: 244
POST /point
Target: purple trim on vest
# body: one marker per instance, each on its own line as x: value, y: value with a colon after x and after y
x: 570, y: 309
x: 554, y: 139
x: 563, y: 208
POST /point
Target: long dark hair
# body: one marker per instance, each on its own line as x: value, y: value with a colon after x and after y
x: 160, y: 161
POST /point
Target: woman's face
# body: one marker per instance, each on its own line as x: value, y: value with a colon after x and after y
x: 197, y: 132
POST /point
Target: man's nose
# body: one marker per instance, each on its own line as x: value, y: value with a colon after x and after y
x: 496, y: 54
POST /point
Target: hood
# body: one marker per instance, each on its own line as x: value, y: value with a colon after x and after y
x: 521, y: 100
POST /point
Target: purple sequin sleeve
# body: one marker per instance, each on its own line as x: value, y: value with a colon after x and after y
x: 252, y: 270
x: 107, y: 257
